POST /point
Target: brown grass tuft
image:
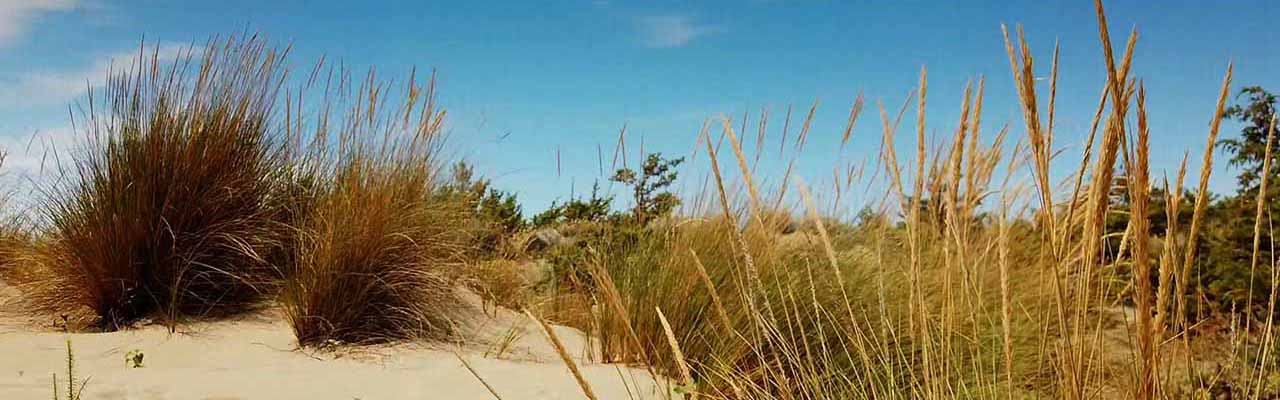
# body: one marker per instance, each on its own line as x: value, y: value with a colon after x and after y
x: 171, y: 209
x: 379, y: 254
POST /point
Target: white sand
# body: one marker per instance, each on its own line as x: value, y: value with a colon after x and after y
x: 256, y: 358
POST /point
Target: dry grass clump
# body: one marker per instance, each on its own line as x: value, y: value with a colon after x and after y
x: 170, y: 209
x: 380, y: 251
x: 7, y: 230
x: 504, y: 282
x: 955, y: 296
x: 829, y: 311
x: 11, y: 236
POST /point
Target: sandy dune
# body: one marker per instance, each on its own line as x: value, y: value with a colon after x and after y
x: 256, y: 358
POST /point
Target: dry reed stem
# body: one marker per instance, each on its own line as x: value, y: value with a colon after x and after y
x: 1074, y: 202
x: 1202, y: 193
x: 1139, y: 196
x: 786, y: 127
x: 477, y: 375
x: 932, y: 388
x: 1261, y: 201
x: 614, y: 300
x: 725, y: 322
x: 760, y: 133
x: 755, y: 285
x: 1021, y: 66
x: 746, y: 171
x: 621, y: 148
x: 1082, y: 363
x: 1168, y: 257
x: 804, y: 129
x: 830, y: 252
x: 1253, y: 264
x: 564, y: 356
x: 853, y: 119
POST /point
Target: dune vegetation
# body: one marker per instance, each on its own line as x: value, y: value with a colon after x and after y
x: 224, y: 183
x: 172, y: 208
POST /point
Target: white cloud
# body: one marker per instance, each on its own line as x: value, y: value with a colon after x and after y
x: 18, y: 15
x: 35, y: 154
x: 43, y: 88
x: 670, y: 30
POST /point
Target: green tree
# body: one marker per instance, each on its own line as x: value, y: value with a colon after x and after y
x: 1248, y: 150
x: 649, y: 186
x: 1224, y: 253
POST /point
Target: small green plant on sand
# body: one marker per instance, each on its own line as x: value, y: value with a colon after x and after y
x: 74, y: 389
x: 133, y: 359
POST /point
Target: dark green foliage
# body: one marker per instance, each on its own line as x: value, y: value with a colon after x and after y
x: 1223, y: 280
x: 650, y: 186
x: 592, y: 209
x: 1226, y: 279
x: 1224, y: 255
x: 499, y: 211
x: 501, y: 208
x: 602, y: 234
x: 650, y: 193
x: 1248, y: 150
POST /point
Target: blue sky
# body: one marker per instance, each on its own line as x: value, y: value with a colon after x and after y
x: 565, y: 76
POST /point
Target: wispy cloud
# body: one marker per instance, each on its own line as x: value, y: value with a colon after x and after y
x: 58, y: 87
x: 35, y: 154
x: 38, y: 153
x: 16, y: 16
x: 662, y: 31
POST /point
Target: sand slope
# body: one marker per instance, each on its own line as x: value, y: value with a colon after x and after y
x: 255, y: 358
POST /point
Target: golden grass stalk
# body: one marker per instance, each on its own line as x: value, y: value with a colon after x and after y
x: 742, y: 166
x: 753, y: 275
x: 1253, y: 263
x: 725, y: 322
x: 1261, y: 202
x: 786, y: 128
x: 1139, y: 195
x: 564, y: 356
x: 473, y: 372
x: 1169, y: 256
x: 804, y: 129
x: 760, y: 132
x: 685, y: 374
x: 853, y: 119
x: 1202, y: 194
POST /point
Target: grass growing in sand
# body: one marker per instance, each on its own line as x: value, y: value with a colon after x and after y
x: 172, y: 207
x: 983, y: 273
x: 382, y: 246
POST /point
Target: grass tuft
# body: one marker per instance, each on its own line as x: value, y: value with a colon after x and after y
x: 380, y: 251
x: 171, y: 208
